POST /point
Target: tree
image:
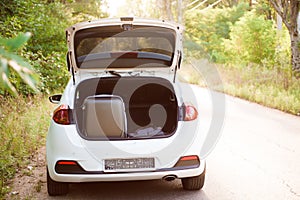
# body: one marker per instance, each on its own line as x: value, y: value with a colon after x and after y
x: 289, y: 11
x: 252, y: 37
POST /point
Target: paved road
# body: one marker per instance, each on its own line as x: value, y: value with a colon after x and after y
x: 256, y: 157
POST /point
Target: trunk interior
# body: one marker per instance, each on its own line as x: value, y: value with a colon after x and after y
x: 150, y: 105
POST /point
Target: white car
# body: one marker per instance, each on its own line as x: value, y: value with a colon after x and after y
x: 122, y: 115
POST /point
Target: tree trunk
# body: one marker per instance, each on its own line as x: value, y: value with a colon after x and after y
x: 294, y: 34
x: 289, y: 11
x: 295, y: 41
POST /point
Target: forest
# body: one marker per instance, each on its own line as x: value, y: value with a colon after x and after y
x: 244, y: 48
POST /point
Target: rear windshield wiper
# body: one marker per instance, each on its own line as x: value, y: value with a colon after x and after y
x: 114, y: 73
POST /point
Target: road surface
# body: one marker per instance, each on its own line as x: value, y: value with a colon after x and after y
x: 257, y: 157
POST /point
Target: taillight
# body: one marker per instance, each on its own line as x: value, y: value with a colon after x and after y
x: 68, y: 167
x: 67, y: 163
x: 188, y: 162
x: 190, y: 113
x: 186, y: 158
x: 62, y: 115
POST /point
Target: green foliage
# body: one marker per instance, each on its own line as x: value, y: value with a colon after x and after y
x: 47, y: 21
x: 9, y: 58
x: 23, y: 118
x: 275, y: 88
x: 252, y: 38
x: 23, y: 126
x: 256, y: 83
x: 255, y: 56
x: 207, y: 29
x: 222, y: 34
x: 83, y: 10
x: 282, y: 53
x: 52, y: 70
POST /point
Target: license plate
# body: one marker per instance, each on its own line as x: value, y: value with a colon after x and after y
x: 129, y: 164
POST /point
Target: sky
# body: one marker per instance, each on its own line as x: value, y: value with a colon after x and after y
x: 118, y: 8
x: 114, y: 5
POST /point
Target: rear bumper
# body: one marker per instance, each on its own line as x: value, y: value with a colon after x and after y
x: 132, y: 176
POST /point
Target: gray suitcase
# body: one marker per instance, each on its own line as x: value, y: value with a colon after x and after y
x: 104, y: 116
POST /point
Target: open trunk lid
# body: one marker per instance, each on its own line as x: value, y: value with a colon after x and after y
x: 124, y: 44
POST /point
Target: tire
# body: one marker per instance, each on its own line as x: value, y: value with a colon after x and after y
x: 193, y: 183
x: 56, y: 188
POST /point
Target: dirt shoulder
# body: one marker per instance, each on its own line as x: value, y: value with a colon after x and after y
x: 30, y: 182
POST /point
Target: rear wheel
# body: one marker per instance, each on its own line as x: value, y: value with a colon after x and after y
x: 193, y: 183
x: 56, y: 188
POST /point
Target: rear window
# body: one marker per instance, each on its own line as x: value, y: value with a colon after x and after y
x: 112, y: 46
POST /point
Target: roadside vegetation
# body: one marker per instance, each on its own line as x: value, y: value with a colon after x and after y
x: 231, y: 47
x: 251, y: 55
x: 23, y: 125
x: 32, y: 66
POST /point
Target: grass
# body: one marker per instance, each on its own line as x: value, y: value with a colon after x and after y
x: 38, y: 186
x: 23, y: 126
x: 275, y: 88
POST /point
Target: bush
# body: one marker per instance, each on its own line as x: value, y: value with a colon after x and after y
x: 255, y: 56
x: 252, y: 40
x: 47, y: 21
x: 205, y: 31
x: 51, y: 69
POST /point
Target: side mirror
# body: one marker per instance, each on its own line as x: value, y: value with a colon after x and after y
x: 55, y: 98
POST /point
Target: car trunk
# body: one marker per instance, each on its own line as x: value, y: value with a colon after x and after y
x: 149, y: 105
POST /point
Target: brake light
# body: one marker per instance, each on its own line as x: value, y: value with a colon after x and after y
x: 68, y: 167
x: 62, y: 115
x: 126, y: 19
x: 191, y: 113
x: 188, y: 162
x: 67, y: 163
x: 185, y: 158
